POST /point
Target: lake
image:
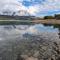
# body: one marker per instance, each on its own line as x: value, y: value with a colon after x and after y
x: 12, y: 37
x: 10, y: 31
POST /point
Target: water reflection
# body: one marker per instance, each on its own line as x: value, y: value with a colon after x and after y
x: 58, y: 26
x: 23, y: 38
x: 54, y: 26
x: 13, y: 31
x: 59, y: 33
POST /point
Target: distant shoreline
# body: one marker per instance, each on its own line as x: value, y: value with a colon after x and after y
x: 47, y: 21
x: 17, y: 22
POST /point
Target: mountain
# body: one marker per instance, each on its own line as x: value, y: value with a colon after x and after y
x: 14, y: 13
x: 16, y: 17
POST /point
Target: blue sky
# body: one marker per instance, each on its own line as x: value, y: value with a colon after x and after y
x: 43, y: 7
x: 32, y: 2
x: 32, y: 7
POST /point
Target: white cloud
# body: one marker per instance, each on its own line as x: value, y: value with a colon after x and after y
x: 16, y: 5
x: 48, y: 5
x: 11, y: 5
x: 33, y: 9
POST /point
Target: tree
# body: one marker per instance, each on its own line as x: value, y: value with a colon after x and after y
x: 48, y: 17
x: 57, y: 16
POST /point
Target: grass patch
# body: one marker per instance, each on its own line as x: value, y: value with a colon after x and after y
x: 14, y: 22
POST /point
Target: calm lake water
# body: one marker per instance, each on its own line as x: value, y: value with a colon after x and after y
x: 12, y: 35
x: 13, y: 31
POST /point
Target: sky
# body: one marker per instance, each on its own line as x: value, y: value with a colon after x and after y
x: 30, y: 7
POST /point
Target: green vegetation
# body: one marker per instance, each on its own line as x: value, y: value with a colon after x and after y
x: 7, y: 17
x: 26, y: 19
x: 56, y: 16
x: 48, y: 17
x: 14, y: 22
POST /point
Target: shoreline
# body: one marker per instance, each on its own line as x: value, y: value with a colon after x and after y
x: 17, y: 22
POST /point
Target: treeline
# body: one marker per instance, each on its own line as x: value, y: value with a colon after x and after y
x: 56, y: 16
x: 8, y: 17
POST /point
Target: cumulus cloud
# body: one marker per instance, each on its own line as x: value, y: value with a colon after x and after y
x: 48, y: 6
x: 11, y: 6
x: 41, y: 7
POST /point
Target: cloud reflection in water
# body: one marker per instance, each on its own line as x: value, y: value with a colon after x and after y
x: 11, y: 32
